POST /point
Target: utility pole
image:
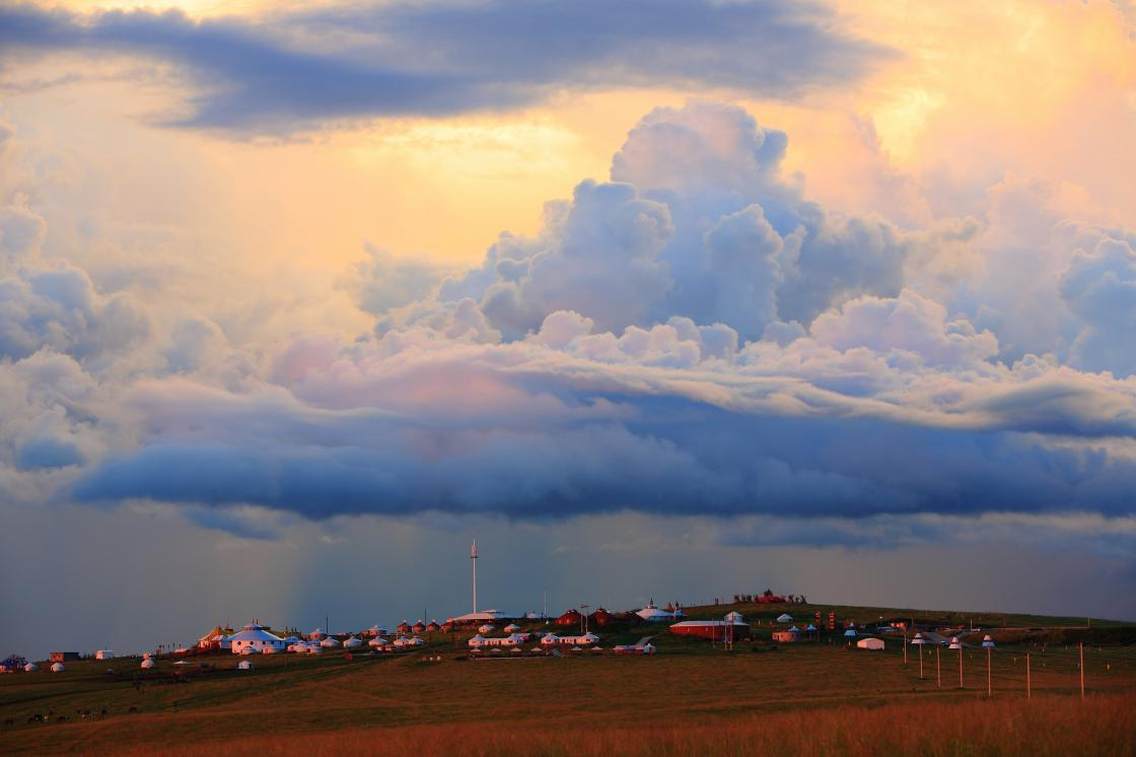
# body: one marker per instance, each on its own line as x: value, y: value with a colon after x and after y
x: 1029, y: 683
x: 989, y: 686
x: 938, y: 665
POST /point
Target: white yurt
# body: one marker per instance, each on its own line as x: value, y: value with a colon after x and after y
x: 653, y: 614
x: 586, y: 639
x: 549, y: 640
x: 379, y: 641
x: 784, y: 618
x: 352, y: 642
x: 244, y: 665
x: 104, y: 654
x: 487, y: 628
x: 873, y: 644
x: 254, y: 639
x: 57, y: 667
x: 734, y: 617
x: 417, y: 642
x: 476, y: 642
x: 147, y: 663
x: 329, y: 642
x: 511, y: 628
x: 31, y: 667
x: 314, y: 648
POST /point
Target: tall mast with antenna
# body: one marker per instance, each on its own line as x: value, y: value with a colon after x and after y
x: 473, y: 561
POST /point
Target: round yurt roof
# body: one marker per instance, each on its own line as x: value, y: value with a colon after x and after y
x: 255, y: 634
x: 31, y: 667
x: 57, y: 667
x: 784, y: 618
x: 512, y: 628
x: 147, y: 664
x: 329, y: 642
x: 734, y: 616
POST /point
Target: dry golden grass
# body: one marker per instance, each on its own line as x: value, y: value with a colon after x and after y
x: 810, y: 698
x: 1103, y: 725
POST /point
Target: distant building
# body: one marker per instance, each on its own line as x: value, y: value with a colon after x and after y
x: 63, y: 656
x: 255, y: 639
x: 653, y: 614
x: 732, y: 627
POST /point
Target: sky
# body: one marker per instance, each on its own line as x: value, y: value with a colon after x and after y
x: 662, y: 299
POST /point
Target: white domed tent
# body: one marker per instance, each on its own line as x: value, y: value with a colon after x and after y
x: 147, y: 664
x: 784, y: 618
x: 329, y: 642
x: 734, y: 617
x: 31, y: 667
x: 254, y: 639
x: 511, y: 628
x: 653, y: 614
x: 57, y: 667
x: 352, y: 642
x: 477, y: 642
x: 104, y: 654
x: 244, y: 665
x: 486, y: 628
x: 870, y: 643
x: 378, y: 641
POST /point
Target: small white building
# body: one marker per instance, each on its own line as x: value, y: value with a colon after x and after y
x: 583, y: 640
x: 104, y: 654
x: 31, y: 667
x: 255, y: 639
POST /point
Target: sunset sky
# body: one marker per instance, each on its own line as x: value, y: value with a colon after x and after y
x: 656, y: 299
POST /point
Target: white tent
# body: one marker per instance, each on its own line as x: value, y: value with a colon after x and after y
x: 477, y: 641
x: 254, y: 639
x: 653, y: 614
x: 329, y: 643
x: 486, y: 628
x: 31, y: 667
x: 147, y: 664
x: 511, y: 628
x: 875, y: 645
x: 56, y: 667
x: 734, y: 617
x: 784, y: 618
x: 352, y: 642
x: 244, y: 665
x: 104, y: 654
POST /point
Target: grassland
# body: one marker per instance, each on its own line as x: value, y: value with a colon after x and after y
x: 817, y: 698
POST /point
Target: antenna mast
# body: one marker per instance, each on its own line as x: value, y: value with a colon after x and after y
x: 473, y: 561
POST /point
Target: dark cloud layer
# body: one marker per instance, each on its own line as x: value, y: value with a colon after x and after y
x: 435, y: 58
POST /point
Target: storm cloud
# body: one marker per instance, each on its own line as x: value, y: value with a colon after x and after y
x: 438, y: 58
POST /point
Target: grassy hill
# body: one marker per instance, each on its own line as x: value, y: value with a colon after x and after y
x: 798, y: 698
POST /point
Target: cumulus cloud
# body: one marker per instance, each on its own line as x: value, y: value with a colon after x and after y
x: 717, y: 235
x: 699, y: 340
x: 59, y: 309
x: 353, y: 60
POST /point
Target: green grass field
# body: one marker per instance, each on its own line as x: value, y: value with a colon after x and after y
x: 377, y: 703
